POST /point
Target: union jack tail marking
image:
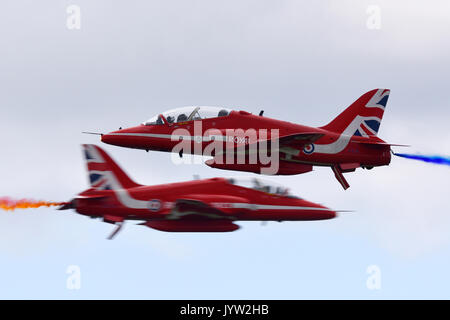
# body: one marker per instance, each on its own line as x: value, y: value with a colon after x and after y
x: 104, y: 173
x: 366, y: 113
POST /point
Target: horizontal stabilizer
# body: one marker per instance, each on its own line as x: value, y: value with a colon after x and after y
x: 382, y: 143
x: 91, y: 197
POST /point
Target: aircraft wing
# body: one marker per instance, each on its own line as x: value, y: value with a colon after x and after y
x: 301, y: 138
x: 196, y: 207
x: 205, y: 206
x: 295, y: 141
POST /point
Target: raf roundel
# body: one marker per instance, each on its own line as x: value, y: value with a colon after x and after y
x: 309, y: 148
x: 154, y: 205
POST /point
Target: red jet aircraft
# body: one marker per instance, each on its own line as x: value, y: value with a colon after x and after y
x: 348, y: 142
x: 208, y: 205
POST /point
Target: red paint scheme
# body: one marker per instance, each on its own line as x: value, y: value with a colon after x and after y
x: 209, y: 205
x: 355, y: 129
x: 192, y: 225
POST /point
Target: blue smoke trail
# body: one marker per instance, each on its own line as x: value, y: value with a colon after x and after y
x: 430, y: 159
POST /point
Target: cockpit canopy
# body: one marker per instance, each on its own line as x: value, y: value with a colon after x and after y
x: 188, y: 114
x: 261, y: 185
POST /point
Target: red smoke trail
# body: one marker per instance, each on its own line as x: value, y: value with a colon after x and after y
x: 9, y: 204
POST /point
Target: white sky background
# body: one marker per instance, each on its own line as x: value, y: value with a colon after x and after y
x: 299, y: 61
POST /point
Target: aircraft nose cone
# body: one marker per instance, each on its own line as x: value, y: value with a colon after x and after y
x: 321, y: 212
x: 116, y: 138
x: 107, y: 138
x: 328, y: 213
x: 133, y: 137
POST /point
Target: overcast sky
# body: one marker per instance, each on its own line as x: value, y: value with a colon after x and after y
x: 299, y: 61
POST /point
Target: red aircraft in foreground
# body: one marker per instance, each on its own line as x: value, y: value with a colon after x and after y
x: 348, y: 142
x: 208, y: 205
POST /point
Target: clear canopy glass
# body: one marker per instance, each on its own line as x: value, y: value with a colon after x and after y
x: 189, y: 113
x: 261, y: 185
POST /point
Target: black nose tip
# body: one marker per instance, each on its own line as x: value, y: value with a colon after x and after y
x: 104, y: 138
x: 109, y: 139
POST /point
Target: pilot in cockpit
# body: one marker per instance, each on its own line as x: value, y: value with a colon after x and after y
x: 170, y: 119
x: 188, y: 114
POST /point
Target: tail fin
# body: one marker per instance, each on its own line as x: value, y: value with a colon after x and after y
x: 362, y: 117
x: 104, y: 173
